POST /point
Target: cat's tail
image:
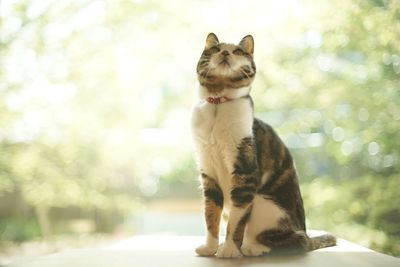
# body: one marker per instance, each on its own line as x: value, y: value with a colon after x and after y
x: 321, y: 241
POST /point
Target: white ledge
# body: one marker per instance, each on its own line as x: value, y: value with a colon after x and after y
x: 176, y: 251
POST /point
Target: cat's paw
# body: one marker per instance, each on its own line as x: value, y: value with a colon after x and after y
x: 205, y: 250
x: 228, y: 250
x: 252, y: 250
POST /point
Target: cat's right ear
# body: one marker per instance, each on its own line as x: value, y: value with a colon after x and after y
x: 211, y: 41
x: 247, y: 43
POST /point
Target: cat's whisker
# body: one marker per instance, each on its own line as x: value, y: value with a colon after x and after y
x: 208, y: 71
x: 243, y: 72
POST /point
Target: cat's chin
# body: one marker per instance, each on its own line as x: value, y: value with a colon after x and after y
x: 226, y: 70
x: 224, y: 64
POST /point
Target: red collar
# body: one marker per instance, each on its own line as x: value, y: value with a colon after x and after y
x: 218, y: 100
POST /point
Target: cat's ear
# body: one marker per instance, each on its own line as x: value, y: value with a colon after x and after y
x: 211, y: 40
x: 247, y: 43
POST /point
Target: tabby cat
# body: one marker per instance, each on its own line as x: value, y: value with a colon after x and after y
x: 246, y: 170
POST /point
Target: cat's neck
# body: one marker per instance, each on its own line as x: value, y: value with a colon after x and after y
x: 228, y: 93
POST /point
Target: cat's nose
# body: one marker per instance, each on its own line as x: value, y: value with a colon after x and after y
x: 225, y: 53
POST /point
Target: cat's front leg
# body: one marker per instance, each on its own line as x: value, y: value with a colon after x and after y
x: 239, y: 214
x: 234, y: 236
x: 245, y: 178
x: 213, y: 203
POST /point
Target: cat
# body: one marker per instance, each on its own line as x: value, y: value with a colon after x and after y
x: 246, y: 170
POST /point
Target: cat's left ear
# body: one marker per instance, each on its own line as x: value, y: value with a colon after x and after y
x: 212, y: 40
x: 247, y: 43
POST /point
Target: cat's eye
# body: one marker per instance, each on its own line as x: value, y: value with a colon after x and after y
x: 214, y: 49
x: 238, y: 52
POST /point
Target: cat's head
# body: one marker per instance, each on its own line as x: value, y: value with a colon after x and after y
x: 226, y: 66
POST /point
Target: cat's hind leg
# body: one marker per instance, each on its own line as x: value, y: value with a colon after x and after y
x: 252, y: 248
x: 284, y: 240
x: 265, y: 214
x: 271, y: 226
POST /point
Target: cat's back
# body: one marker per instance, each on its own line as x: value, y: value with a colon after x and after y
x: 266, y: 136
x: 273, y: 157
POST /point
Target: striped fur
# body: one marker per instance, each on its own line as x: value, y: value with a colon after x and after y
x: 247, y: 171
x: 224, y: 65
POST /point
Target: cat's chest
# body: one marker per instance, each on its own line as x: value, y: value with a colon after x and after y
x: 217, y: 131
x: 222, y: 126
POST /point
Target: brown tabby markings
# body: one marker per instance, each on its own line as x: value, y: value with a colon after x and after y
x: 263, y: 166
x: 246, y: 181
x: 213, y: 204
x: 245, y: 175
x: 239, y: 231
x: 243, y: 77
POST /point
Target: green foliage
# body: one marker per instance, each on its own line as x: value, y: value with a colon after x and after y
x: 95, y: 103
x: 19, y: 231
x: 364, y: 209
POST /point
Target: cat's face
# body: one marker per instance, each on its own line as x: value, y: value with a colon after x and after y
x: 223, y: 65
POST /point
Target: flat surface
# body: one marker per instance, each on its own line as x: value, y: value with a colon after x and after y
x: 163, y: 251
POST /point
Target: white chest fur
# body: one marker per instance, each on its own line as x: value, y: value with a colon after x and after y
x: 217, y: 132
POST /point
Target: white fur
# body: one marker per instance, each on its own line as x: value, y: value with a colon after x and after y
x: 217, y: 131
x: 265, y: 177
x: 254, y: 249
x: 230, y: 93
x: 265, y: 215
x: 209, y: 248
x: 228, y: 250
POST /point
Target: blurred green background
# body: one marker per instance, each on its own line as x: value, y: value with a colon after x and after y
x: 95, y: 100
